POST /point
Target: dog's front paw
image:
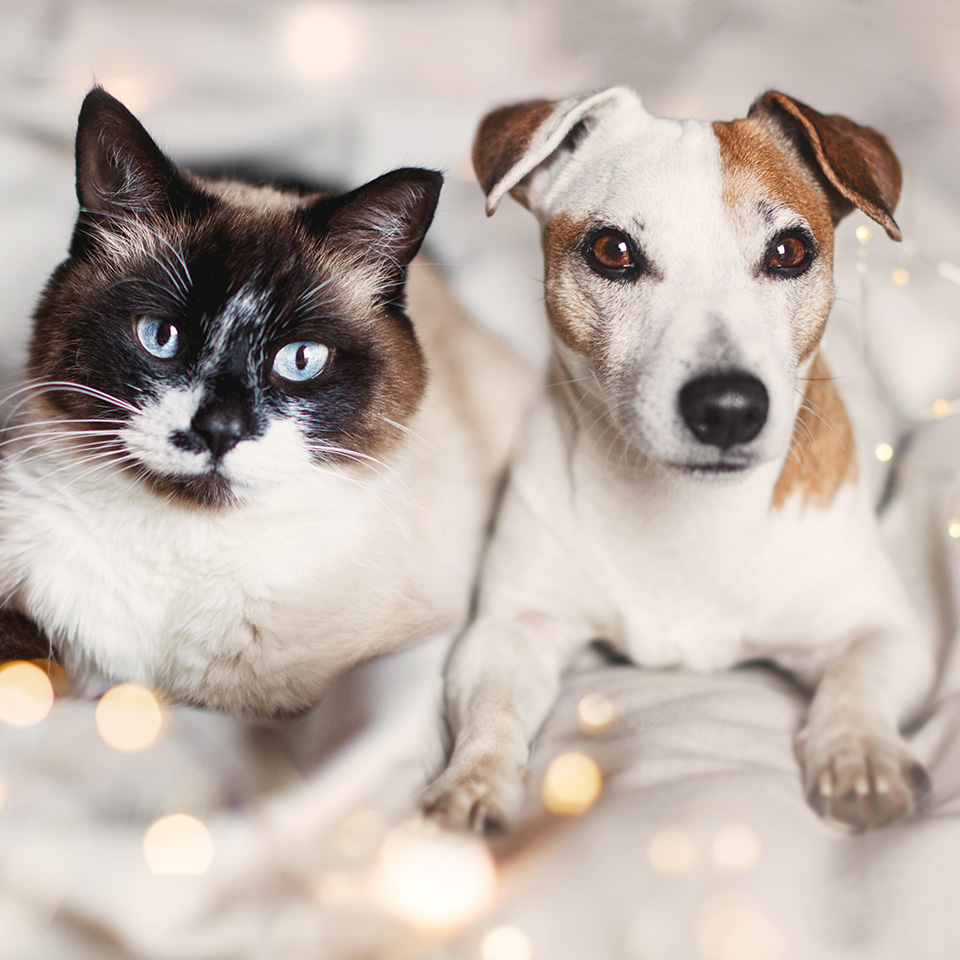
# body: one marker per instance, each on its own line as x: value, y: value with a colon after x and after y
x: 484, y: 795
x: 859, y: 780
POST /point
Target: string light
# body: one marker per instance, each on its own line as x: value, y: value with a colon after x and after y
x: 736, y: 849
x: 178, y: 845
x: 129, y: 718
x: 864, y: 233
x: 900, y: 276
x: 941, y: 409
x: 505, y: 943
x: 953, y: 528
x: 572, y: 784
x: 672, y: 851
x: 434, y: 879
x: 321, y: 42
x: 883, y: 452
x: 26, y: 694
x: 596, y: 711
x: 738, y: 928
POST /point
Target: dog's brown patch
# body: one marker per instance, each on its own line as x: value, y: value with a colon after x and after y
x: 822, y: 456
x: 503, y: 137
x: 760, y: 167
x: 566, y: 309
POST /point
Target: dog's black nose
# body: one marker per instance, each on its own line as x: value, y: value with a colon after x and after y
x: 725, y: 409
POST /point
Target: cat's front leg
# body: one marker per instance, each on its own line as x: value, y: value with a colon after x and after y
x: 21, y: 638
x: 858, y: 771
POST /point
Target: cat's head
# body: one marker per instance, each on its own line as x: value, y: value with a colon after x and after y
x: 217, y: 336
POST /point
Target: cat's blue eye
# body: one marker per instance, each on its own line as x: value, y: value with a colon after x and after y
x: 300, y: 361
x: 160, y: 338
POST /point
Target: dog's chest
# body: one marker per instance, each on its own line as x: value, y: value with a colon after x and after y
x: 699, y: 576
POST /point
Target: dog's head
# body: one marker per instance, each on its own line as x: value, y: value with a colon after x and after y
x: 689, y: 265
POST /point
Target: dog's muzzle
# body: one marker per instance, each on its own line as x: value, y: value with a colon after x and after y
x: 724, y: 410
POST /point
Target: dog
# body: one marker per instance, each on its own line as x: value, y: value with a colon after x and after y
x: 687, y: 486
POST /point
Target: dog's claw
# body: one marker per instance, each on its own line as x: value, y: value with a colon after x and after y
x: 859, y: 782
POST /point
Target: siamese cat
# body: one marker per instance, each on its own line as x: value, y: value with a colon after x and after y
x: 238, y: 467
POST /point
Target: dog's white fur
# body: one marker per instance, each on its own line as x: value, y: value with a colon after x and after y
x: 608, y: 527
x: 254, y: 608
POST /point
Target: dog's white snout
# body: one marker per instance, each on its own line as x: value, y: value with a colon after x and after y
x: 725, y: 409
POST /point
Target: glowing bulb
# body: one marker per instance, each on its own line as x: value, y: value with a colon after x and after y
x: 737, y: 928
x: 321, y: 41
x: 736, y: 849
x: 596, y: 711
x: 178, y: 845
x: 129, y: 718
x: 954, y: 529
x: 505, y: 943
x: 572, y: 784
x: 900, y: 276
x: 941, y: 409
x: 435, y: 879
x: 864, y: 233
x: 672, y: 851
x: 26, y: 694
x: 883, y: 452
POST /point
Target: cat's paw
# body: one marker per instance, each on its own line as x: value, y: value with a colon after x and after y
x: 484, y: 795
x: 859, y: 779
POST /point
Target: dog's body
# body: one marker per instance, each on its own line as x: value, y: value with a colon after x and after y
x: 689, y: 278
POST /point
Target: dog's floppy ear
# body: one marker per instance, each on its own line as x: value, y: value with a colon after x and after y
x: 857, y: 163
x: 513, y: 141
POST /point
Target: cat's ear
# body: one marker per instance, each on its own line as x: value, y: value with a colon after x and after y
x: 382, y: 223
x: 120, y: 170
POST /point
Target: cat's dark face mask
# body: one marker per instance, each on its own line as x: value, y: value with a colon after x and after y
x: 215, y: 338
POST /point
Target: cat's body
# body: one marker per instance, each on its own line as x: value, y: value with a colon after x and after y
x: 286, y: 480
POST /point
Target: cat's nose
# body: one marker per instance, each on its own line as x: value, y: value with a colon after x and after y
x: 223, y: 420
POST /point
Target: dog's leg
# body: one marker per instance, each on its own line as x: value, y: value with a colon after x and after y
x: 21, y: 638
x: 858, y: 771
x: 501, y: 681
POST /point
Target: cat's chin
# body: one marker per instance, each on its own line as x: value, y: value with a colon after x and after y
x: 209, y: 491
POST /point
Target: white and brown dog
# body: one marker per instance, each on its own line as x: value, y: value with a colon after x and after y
x: 687, y: 487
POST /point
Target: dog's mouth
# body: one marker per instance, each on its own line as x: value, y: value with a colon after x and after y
x: 725, y: 468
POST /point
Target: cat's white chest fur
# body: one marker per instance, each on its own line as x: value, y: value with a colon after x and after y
x: 250, y: 608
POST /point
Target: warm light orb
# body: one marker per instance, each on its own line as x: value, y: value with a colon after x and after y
x: 178, y: 845
x: 900, y: 276
x: 435, y: 879
x: 129, y: 718
x: 883, y: 452
x: 321, y: 42
x: 738, y: 928
x: 953, y: 528
x: 596, y: 711
x: 26, y: 694
x: 942, y: 409
x: 736, y: 849
x: 864, y: 233
x: 505, y: 943
x: 572, y: 784
x: 672, y: 851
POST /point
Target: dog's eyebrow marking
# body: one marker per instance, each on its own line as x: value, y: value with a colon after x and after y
x: 822, y: 455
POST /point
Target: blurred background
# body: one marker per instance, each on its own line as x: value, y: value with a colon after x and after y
x: 343, y: 90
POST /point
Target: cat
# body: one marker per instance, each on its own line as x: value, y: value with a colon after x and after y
x: 237, y: 467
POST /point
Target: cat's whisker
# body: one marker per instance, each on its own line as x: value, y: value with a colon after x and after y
x: 52, y: 386
x: 412, y: 433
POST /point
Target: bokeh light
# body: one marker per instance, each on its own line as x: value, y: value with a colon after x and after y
x: 953, y: 528
x: 736, y: 849
x: 572, y: 784
x: 505, y: 943
x: 129, y: 718
x: 26, y: 694
x: 596, y: 711
x: 178, y: 845
x: 942, y: 408
x: 883, y: 452
x: 360, y: 834
x: 864, y: 233
x: 321, y: 42
x: 435, y: 879
x: 672, y: 851
x: 900, y: 276
x: 738, y: 928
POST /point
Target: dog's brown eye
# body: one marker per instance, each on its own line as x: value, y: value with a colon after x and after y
x: 612, y: 251
x: 789, y: 255
x: 612, y: 254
